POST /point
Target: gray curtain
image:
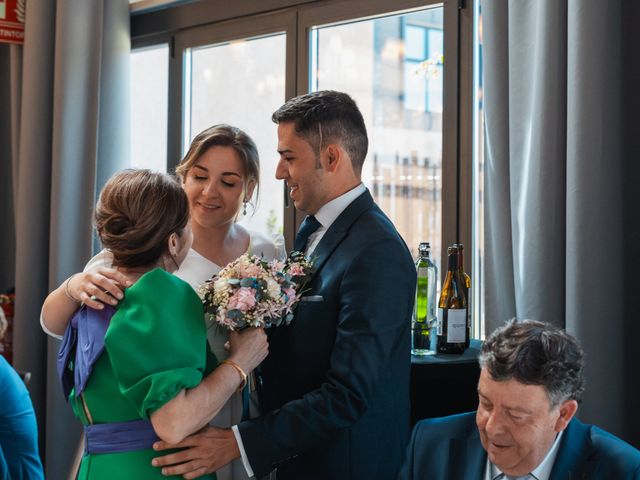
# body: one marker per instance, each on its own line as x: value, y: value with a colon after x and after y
x: 10, y: 55
x: 561, y: 153
x: 71, y: 133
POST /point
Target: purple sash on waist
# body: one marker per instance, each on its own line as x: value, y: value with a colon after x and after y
x: 84, y: 336
x: 82, y: 344
x: 119, y: 437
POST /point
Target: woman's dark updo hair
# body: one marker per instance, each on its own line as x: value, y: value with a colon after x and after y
x: 136, y: 213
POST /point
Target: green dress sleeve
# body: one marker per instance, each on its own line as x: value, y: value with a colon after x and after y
x: 157, y: 342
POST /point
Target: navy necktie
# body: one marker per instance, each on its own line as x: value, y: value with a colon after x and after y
x: 309, y: 225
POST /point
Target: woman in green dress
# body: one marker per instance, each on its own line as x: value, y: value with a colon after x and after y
x: 143, y: 371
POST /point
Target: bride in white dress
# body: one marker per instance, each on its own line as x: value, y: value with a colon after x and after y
x: 220, y: 174
x: 195, y: 270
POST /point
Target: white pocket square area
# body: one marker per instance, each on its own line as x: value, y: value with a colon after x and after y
x: 312, y: 298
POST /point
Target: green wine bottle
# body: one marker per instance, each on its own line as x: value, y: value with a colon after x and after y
x: 424, y: 312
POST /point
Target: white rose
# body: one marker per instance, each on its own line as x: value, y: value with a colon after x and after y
x: 273, y: 288
x: 220, y: 285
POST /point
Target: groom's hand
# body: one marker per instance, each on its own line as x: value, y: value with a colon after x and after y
x: 206, y: 451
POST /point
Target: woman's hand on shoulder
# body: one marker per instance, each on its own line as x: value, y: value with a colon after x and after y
x: 97, y: 287
x: 248, y: 348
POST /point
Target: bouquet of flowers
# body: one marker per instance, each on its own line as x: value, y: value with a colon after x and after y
x: 251, y: 292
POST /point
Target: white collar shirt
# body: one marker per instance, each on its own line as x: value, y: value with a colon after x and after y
x: 541, y: 472
x: 328, y: 213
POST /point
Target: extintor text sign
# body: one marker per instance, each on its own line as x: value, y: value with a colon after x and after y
x: 12, y: 21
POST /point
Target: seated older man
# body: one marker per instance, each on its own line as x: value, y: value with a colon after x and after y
x: 531, y: 382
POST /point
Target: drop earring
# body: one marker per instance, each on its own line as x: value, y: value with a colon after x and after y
x: 244, y: 206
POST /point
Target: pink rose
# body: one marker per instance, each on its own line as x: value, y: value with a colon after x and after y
x: 296, y: 270
x: 276, y: 266
x: 252, y: 271
x: 243, y: 300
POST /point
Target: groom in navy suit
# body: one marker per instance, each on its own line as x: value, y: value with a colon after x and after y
x: 336, y: 382
x: 530, y: 385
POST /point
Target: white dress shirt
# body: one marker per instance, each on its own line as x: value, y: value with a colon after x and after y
x: 541, y: 472
x: 326, y: 215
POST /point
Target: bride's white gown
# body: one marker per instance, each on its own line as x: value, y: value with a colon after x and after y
x: 195, y: 270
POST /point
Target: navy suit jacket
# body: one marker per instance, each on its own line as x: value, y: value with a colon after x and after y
x: 336, y: 381
x: 449, y: 448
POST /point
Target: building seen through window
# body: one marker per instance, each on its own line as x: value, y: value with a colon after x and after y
x: 239, y: 70
x: 393, y: 68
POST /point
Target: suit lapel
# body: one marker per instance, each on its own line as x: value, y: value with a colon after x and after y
x: 476, y: 456
x: 339, y: 229
x: 572, y: 454
x: 330, y: 240
x: 468, y: 458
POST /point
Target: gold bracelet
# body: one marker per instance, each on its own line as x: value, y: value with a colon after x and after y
x: 243, y: 375
x: 67, y: 292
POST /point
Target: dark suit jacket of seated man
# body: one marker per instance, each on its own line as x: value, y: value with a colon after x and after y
x: 450, y: 448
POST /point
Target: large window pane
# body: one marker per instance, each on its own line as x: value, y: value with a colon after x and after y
x: 242, y: 83
x: 149, y: 80
x: 392, y: 66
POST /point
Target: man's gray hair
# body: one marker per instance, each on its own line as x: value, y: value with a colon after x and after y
x: 536, y: 353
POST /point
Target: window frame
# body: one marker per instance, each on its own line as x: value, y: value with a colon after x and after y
x: 190, y: 24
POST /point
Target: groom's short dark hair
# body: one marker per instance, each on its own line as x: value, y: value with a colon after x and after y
x: 327, y: 117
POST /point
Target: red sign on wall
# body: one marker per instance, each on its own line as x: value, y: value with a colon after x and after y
x: 12, y: 21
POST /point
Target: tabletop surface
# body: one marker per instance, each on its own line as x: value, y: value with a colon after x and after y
x: 469, y: 356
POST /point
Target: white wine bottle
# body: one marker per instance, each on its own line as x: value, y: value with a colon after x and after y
x: 466, y: 286
x: 453, y: 321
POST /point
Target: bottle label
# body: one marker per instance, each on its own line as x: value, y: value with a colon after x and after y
x: 422, y: 271
x: 439, y: 322
x: 456, y: 325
